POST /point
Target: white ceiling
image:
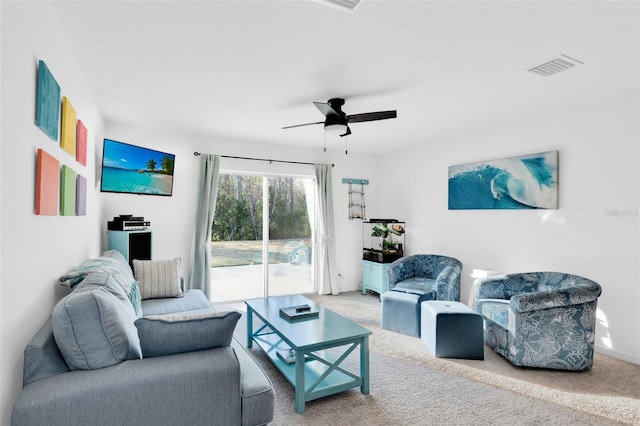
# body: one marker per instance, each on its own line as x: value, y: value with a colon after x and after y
x: 244, y: 69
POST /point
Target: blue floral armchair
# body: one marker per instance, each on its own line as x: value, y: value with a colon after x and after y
x: 412, y: 280
x: 431, y: 276
x: 540, y: 319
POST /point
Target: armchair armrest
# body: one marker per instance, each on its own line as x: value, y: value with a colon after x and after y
x: 204, y: 384
x: 496, y: 310
x: 526, y: 302
x: 448, y: 284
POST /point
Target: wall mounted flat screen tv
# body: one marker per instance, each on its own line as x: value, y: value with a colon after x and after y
x: 133, y: 169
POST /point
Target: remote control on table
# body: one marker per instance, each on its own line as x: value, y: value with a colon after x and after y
x: 302, y: 308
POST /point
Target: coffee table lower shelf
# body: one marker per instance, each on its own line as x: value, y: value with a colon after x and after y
x: 320, y: 373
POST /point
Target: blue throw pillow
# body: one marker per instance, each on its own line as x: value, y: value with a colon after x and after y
x: 177, y: 333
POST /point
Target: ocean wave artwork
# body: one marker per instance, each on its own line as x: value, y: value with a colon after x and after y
x: 522, y: 182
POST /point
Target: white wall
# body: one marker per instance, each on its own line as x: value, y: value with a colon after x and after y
x: 172, y: 218
x: 36, y: 249
x: 595, y: 232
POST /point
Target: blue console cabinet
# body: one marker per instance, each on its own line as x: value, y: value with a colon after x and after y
x: 374, y: 277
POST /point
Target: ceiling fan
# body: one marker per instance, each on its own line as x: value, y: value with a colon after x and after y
x: 336, y: 121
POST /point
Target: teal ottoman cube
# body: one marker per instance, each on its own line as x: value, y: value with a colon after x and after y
x: 401, y: 312
x: 452, y: 330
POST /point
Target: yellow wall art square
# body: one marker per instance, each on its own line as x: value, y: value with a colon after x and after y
x: 68, y: 131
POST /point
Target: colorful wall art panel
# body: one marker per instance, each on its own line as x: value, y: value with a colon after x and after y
x: 67, y: 191
x: 81, y: 143
x: 81, y: 196
x: 68, y: 133
x: 47, y: 184
x: 47, y: 102
x: 523, y: 182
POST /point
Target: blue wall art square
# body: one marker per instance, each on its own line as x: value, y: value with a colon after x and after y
x: 47, y: 102
x: 523, y: 182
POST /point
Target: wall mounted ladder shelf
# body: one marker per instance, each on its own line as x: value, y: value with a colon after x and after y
x: 357, y: 205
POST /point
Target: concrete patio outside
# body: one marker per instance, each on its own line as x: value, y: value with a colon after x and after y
x: 238, y: 274
x: 236, y: 283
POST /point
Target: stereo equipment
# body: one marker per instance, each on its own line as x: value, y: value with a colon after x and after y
x: 127, y: 225
x: 128, y: 222
x: 128, y: 217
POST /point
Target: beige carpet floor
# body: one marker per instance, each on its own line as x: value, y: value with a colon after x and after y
x: 409, y: 386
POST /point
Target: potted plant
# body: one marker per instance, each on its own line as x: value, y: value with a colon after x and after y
x: 386, y: 232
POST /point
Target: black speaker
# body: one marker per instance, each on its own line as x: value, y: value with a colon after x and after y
x: 139, y: 246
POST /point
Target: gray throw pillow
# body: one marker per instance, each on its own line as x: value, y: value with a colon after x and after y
x: 177, y: 333
x: 158, y: 278
x: 94, y: 325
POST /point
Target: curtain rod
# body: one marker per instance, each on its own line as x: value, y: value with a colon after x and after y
x: 264, y: 159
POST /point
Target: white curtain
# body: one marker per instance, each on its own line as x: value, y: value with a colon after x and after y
x: 200, y: 270
x: 309, y: 195
x: 327, y: 266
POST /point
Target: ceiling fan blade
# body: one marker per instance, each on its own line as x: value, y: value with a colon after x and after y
x: 371, y: 116
x: 347, y: 133
x: 305, y: 124
x: 326, y: 109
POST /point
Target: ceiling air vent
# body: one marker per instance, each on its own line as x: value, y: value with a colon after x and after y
x: 554, y: 66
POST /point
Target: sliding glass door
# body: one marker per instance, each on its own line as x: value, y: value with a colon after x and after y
x: 262, y: 237
x: 290, y: 266
x: 236, y: 241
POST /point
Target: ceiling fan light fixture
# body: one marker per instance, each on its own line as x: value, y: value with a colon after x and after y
x: 337, y: 122
x: 335, y: 129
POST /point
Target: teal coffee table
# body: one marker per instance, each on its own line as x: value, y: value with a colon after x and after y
x: 319, y: 345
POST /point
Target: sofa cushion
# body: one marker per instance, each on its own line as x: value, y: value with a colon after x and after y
x: 192, y: 301
x: 416, y: 285
x: 94, y: 325
x: 158, y: 278
x: 113, y: 262
x: 176, y: 333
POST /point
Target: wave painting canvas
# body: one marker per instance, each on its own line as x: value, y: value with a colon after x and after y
x: 523, y: 182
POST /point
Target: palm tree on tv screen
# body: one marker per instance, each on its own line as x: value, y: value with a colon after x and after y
x: 167, y: 165
x: 151, y: 165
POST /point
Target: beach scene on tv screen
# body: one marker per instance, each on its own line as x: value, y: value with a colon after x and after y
x: 134, y: 169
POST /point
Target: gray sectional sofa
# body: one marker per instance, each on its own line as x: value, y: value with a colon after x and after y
x: 108, y: 356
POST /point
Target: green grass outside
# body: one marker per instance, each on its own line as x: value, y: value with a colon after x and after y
x: 242, y: 253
